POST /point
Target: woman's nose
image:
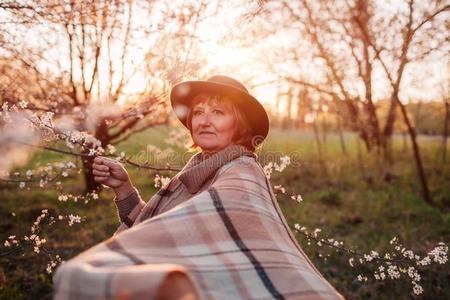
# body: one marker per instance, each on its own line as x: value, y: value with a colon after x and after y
x: 206, y: 120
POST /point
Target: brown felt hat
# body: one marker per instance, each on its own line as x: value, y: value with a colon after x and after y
x: 183, y: 93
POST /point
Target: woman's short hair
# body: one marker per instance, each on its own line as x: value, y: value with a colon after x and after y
x: 243, y: 134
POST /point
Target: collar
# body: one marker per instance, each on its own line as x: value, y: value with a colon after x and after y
x: 199, y: 169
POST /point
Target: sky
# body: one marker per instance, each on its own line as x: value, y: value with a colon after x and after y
x: 243, y: 62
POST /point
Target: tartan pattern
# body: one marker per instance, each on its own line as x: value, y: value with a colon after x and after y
x: 229, y: 240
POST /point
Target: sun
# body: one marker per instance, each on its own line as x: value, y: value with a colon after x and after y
x: 226, y: 57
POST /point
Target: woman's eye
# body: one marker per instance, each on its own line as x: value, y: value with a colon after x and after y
x: 197, y: 112
x: 217, y: 111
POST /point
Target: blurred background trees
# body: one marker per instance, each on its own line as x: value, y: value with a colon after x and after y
x: 89, y: 61
x: 335, y: 65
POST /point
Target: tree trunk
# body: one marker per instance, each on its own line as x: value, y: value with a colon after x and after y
x: 102, y: 135
x: 388, y: 131
x: 341, y: 136
x: 417, y: 158
x: 405, y: 141
x: 360, y: 158
x: 317, y: 138
x: 319, y: 147
x: 90, y: 184
x: 445, y: 133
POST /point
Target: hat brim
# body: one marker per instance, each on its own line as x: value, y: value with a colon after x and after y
x: 183, y: 93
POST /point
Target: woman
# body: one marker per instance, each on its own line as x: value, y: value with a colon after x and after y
x: 214, y: 231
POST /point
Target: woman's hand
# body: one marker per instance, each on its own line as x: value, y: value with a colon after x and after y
x: 112, y: 173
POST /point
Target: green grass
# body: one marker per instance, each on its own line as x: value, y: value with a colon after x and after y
x: 348, y: 197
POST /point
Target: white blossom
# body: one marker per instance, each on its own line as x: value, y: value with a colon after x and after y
x: 439, y: 253
x: 63, y: 198
x: 111, y: 148
x: 393, y: 272
x: 280, y: 188
x: 161, y: 181
x: 268, y: 169
x: 92, y: 152
x: 297, y: 198
x: 362, y: 278
x: 417, y: 289
x: 23, y: 104
x: 74, y: 219
x: 350, y: 262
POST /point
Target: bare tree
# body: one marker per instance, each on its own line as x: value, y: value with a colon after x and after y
x: 87, y: 55
x: 348, y: 42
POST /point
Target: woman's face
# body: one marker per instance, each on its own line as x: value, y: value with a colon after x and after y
x: 213, y: 126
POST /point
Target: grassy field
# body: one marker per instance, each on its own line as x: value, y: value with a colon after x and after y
x: 348, y: 196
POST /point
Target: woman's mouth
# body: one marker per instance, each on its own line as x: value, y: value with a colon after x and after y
x: 206, y: 132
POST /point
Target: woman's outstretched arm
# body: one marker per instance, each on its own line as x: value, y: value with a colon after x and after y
x: 113, y: 174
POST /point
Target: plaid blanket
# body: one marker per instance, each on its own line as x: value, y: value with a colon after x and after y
x: 227, y: 240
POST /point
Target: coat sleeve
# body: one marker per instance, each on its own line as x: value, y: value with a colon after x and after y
x: 128, y: 209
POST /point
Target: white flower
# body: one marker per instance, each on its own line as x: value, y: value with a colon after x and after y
x: 280, y: 188
x: 297, y: 198
x: 7, y: 244
x: 350, y: 261
x: 439, y: 253
x: 417, y: 289
x: 285, y: 160
x: 425, y: 261
x: 23, y: 104
x: 157, y: 181
x: 268, y: 169
x: 5, y: 106
x: 393, y: 272
x: 374, y: 254
x: 63, y: 198
x: 413, y: 274
x: 409, y: 254
x: 111, y: 148
x: 29, y: 173
x: 161, y: 181
x: 368, y: 257
x: 22, y: 185
x: 64, y: 174
x: 74, y: 219
x: 362, y: 278
x: 316, y: 231
x: 92, y: 152
x: 164, y: 180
